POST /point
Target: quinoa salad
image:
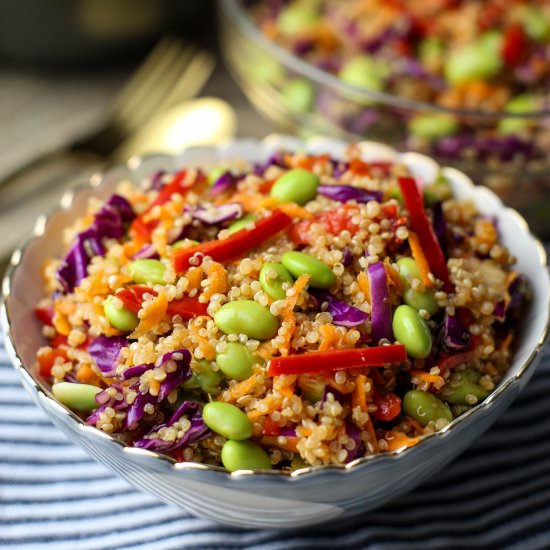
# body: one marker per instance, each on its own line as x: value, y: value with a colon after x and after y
x: 300, y: 312
x: 464, y: 81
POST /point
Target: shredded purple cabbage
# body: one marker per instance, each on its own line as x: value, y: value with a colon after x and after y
x: 132, y: 372
x: 173, y: 380
x: 156, y: 181
x: 105, y: 351
x: 344, y: 193
x: 276, y: 159
x: 148, y: 252
x: 108, y: 223
x: 224, y: 183
x: 342, y: 314
x: 380, y: 302
x: 212, y: 215
x: 514, y: 300
x: 453, y: 335
x: 439, y: 223
x: 197, y: 430
x: 347, y: 257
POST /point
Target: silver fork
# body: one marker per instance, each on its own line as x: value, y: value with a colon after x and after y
x: 172, y: 72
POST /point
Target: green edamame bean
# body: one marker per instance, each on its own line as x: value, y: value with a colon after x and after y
x: 433, y: 126
x: 236, y: 361
x: 242, y: 223
x: 535, y: 23
x: 205, y: 378
x: 147, y: 271
x: 296, y: 19
x: 431, y: 51
x: 298, y: 263
x: 216, y: 173
x: 425, y: 407
x: 298, y: 95
x: 411, y: 330
x: 408, y: 269
x: 478, y: 60
x: 120, y: 318
x: 297, y: 463
x: 227, y: 420
x: 439, y: 190
x: 461, y: 385
x: 523, y: 103
x: 244, y: 455
x: 76, y: 396
x: 247, y: 317
x: 364, y: 72
x: 272, y: 278
x: 298, y: 185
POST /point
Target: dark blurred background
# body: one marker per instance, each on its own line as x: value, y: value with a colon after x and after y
x: 82, y: 34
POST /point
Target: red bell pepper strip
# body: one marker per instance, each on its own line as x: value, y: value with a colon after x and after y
x: 141, y: 230
x: 389, y: 406
x: 514, y: 44
x: 132, y: 298
x: 45, y: 315
x: 328, y: 361
x: 237, y: 245
x: 423, y: 228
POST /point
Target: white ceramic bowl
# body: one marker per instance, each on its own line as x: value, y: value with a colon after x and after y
x: 275, y: 499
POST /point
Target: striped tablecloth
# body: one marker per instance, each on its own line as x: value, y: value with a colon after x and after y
x: 52, y: 495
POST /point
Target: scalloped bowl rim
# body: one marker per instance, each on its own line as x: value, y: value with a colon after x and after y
x: 263, y: 147
x: 232, y: 8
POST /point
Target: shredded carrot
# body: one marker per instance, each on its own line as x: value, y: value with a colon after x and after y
x: 330, y: 337
x: 265, y: 350
x: 427, y: 377
x: 152, y: 316
x: 244, y: 387
x: 507, y: 341
x: 195, y: 327
x: 287, y: 314
x: 272, y: 404
x: 254, y: 202
x: 373, y: 439
x: 290, y: 443
x: 393, y: 278
x: 294, y: 211
x: 364, y: 285
x: 86, y: 375
x: 415, y: 424
x: 359, y: 398
x: 398, y: 440
x: 194, y: 276
x: 218, y: 280
x: 420, y: 258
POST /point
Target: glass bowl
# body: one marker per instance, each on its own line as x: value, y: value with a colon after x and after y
x: 305, y: 99
x: 270, y: 499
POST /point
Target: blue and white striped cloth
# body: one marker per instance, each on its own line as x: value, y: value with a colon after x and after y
x: 52, y: 495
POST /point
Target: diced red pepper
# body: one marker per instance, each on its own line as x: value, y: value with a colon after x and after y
x: 359, y: 167
x: 389, y: 406
x: 328, y: 361
x: 271, y: 427
x: 141, y: 230
x: 46, y: 360
x: 334, y: 221
x: 236, y: 245
x: 132, y: 298
x: 187, y: 308
x: 45, y: 315
x: 59, y: 340
x: 424, y: 229
x: 514, y: 44
x: 266, y: 186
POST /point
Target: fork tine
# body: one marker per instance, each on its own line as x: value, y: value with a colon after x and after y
x: 154, y: 82
x: 190, y: 81
x: 143, y: 71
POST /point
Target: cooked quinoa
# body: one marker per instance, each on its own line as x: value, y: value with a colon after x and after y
x: 162, y: 261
